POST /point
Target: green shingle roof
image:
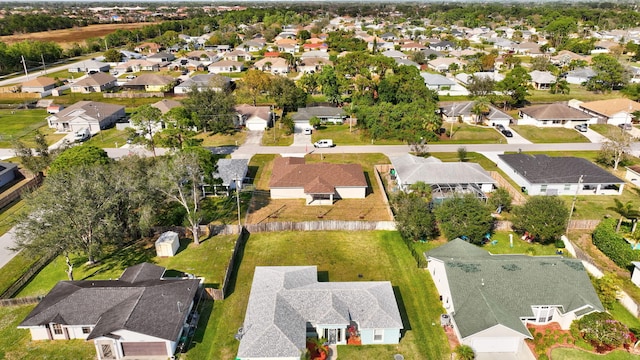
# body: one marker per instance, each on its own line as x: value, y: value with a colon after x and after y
x: 488, y: 290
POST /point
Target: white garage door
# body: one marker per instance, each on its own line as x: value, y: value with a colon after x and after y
x: 496, y: 344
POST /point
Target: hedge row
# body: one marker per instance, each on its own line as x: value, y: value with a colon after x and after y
x: 613, y: 244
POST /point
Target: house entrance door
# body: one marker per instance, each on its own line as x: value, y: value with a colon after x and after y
x: 332, y: 336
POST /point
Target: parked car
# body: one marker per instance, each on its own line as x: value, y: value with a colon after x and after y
x: 81, y: 135
x: 581, y: 127
x: 507, y: 133
x: 500, y: 127
x: 307, y: 131
x: 324, y: 143
x: 626, y: 126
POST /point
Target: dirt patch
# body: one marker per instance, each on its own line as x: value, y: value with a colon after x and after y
x: 67, y: 37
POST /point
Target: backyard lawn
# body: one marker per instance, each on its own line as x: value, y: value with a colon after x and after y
x: 340, y: 256
x: 19, y: 124
x: 549, y: 135
x: 109, y: 138
x: 576, y: 92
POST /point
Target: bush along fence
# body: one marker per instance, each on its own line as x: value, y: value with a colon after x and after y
x: 234, y: 263
x: 613, y: 244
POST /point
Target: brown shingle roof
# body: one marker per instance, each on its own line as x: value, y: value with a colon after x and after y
x: 611, y: 106
x: 319, y: 178
x: 41, y: 81
x: 554, y: 112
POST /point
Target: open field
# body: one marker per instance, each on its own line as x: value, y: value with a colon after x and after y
x: 340, y: 256
x: 18, y: 124
x: 67, y: 37
x: 370, y: 208
x: 549, y: 135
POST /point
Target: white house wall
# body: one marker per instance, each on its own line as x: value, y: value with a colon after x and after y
x: 632, y: 177
x: 487, y: 188
x: 288, y: 193
x: 619, y: 118
x: 635, y: 276
x: 521, y: 181
x: 438, y: 273
x: 39, y: 333
x: 352, y: 192
x: 389, y: 336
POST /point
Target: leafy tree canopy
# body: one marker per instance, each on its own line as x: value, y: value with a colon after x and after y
x: 80, y: 155
x: 464, y: 216
x: 543, y: 217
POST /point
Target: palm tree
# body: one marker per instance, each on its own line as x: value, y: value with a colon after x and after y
x: 561, y: 86
x: 626, y: 211
x: 422, y: 189
x: 465, y: 352
x: 481, y: 107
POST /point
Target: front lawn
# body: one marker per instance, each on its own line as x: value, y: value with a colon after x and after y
x: 471, y: 134
x: 340, y: 256
x: 576, y: 92
x: 19, y: 124
x: 234, y: 139
x: 345, y: 135
x: 605, y: 129
x: 275, y: 136
x: 549, y: 135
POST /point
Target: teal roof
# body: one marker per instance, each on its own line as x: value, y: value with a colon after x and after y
x: 488, y: 290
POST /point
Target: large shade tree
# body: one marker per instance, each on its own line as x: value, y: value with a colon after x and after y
x: 464, y: 216
x: 543, y: 217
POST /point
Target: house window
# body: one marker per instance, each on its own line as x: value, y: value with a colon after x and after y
x: 57, y: 329
x: 567, y: 187
x: 86, y: 330
x: 377, y: 334
x: 543, y: 188
x: 544, y: 313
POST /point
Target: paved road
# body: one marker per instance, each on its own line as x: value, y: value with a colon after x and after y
x: 6, y: 241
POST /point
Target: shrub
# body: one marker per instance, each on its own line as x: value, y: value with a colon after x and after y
x: 560, y: 244
x: 612, y: 244
x: 603, y: 332
x: 543, y: 357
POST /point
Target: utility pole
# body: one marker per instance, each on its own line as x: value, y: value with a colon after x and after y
x: 44, y: 66
x: 106, y: 46
x: 573, y: 203
x: 238, y: 201
x: 24, y: 65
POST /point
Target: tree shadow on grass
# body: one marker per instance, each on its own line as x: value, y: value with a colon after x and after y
x: 130, y: 255
x: 205, y: 310
x: 403, y: 311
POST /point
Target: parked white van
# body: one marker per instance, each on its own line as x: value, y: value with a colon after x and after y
x: 82, y: 135
x: 324, y: 143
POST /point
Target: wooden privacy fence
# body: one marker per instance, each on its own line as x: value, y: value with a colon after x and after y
x: 378, y: 169
x: 322, y: 225
x: 27, y: 276
x: 516, y: 195
x: 16, y: 191
x: 220, y: 294
x: 21, y: 301
x: 583, y: 224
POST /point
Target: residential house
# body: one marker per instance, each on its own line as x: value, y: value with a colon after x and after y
x: 603, y: 47
x: 253, y: 45
x: 446, y: 179
x: 635, y: 274
x: 554, y: 115
x: 275, y: 66
x: 92, y: 115
x: 287, y: 304
x: 161, y: 58
x: 467, y: 78
x: 89, y: 67
x: 97, y: 82
x: 565, y: 57
x: 254, y: 118
x: 528, y: 48
x: 326, y: 114
x: 542, y: 80
x: 319, y: 183
x: 313, y: 65
x: 442, y: 46
x: 315, y: 47
x: 432, y: 54
x: 151, y: 83
x: 406, y: 62
x: 238, y: 55
x: 611, y: 111
x: 137, y: 66
x: 633, y: 175
x: 38, y: 85
x: 490, y: 299
x: 443, y: 64
x: 232, y: 173
x: 165, y: 105
x: 148, y: 47
x: 546, y: 175
x: 579, y: 76
x: 140, y: 315
x: 201, y: 82
x: 395, y: 54
x: 8, y: 172
x: 187, y: 64
x: 413, y: 47
x: 443, y: 85
x: 314, y: 54
x: 288, y: 49
x: 453, y: 112
x: 226, y: 66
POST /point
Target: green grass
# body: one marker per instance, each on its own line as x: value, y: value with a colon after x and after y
x: 342, y: 135
x: 623, y: 315
x: 549, y: 135
x: 109, y: 138
x: 70, y: 98
x: 276, y: 137
x: 576, y: 354
x: 234, y: 139
x: 19, y: 124
x: 604, y: 129
x: 576, y: 92
x: 14, y: 269
x: 17, y: 343
x: 9, y: 214
x: 342, y: 255
x: 519, y: 246
x: 472, y: 134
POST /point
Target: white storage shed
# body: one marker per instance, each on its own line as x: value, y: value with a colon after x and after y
x: 167, y: 244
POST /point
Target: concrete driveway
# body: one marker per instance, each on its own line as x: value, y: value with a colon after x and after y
x: 593, y: 136
x: 516, y: 139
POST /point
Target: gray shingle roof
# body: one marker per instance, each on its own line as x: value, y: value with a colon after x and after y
x: 139, y: 301
x: 488, y: 290
x: 231, y: 169
x: 284, y: 298
x: 543, y: 169
x: 411, y: 169
x: 319, y: 111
